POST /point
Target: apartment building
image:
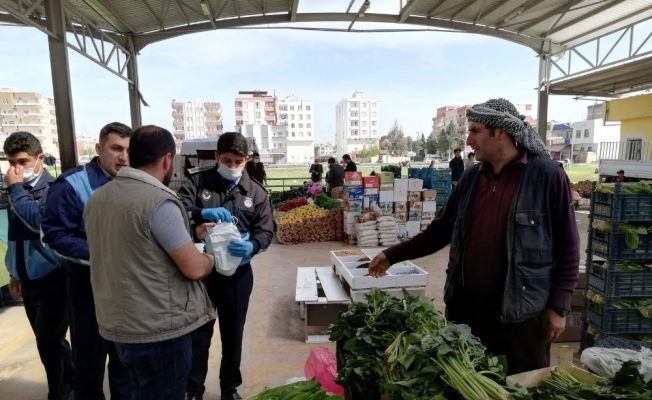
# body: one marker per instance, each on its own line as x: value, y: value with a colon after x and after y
x: 325, y: 149
x: 457, y: 115
x: 357, y: 124
x: 195, y: 120
x: 30, y: 112
x: 256, y: 109
x: 277, y: 146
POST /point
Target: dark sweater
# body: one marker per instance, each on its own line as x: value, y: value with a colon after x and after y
x: 457, y: 168
x: 336, y: 176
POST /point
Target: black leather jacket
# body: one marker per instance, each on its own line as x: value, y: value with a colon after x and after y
x: 529, y: 240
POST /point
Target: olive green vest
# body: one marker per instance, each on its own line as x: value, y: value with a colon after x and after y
x: 141, y: 296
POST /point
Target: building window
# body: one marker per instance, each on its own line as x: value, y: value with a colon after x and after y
x: 354, y: 105
x: 307, y: 108
x: 374, y: 132
x: 373, y: 123
x: 246, y: 114
x: 354, y: 114
x: 292, y: 117
x: 586, y: 133
x: 590, y: 148
x: 364, y: 114
x: 309, y: 134
x: 307, y: 117
x: 257, y: 114
x: 299, y: 108
x: 300, y: 117
x: 292, y: 125
x: 373, y: 105
x: 363, y: 104
x: 257, y: 122
x: 292, y: 134
x: 308, y: 125
x: 354, y: 123
x: 300, y: 134
x: 578, y: 133
x: 300, y: 125
x: 291, y: 108
x: 582, y: 148
x: 374, y: 114
x: 364, y: 132
x: 283, y: 108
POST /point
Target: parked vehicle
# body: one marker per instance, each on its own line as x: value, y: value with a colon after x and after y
x: 633, y: 156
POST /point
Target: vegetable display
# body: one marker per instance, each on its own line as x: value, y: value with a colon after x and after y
x: 631, y: 231
x: 323, y: 201
x: 298, y: 215
x: 627, y: 188
x: 405, y: 349
x: 308, y: 224
x: 292, y: 204
x: 643, y: 305
x: 306, y: 390
x: 278, y: 198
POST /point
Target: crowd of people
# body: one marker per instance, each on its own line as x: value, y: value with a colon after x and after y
x: 108, y: 251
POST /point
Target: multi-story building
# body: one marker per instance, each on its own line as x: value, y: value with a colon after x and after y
x: 457, y: 116
x: 276, y: 144
x: 298, y: 117
x: 196, y: 120
x: 259, y: 109
x: 30, y: 112
x: 325, y: 149
x: 357, y: 124
x: 588, y: 134
x: 595, y: 111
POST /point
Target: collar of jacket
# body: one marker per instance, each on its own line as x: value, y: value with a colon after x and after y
x: 96, y: 175
x: 43, y: 182
x: 142, y: 176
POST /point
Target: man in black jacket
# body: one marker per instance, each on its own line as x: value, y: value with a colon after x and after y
x: 335, y: 178
x: 256, y: 169
x: 457, y: 166
x: 218, y: 194
x: 350, y: 165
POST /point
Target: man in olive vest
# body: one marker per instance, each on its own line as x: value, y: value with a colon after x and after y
x: 145, y: 269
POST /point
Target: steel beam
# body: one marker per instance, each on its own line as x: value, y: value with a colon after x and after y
x: 462, y: 9
x: 109, y: 15
x: 546, y: 16
x: 542, y: 89
x: 607, y: 25
x: 59, y: 65
x: 585, y: 16
x: 293, y: 10
x: 141, y: 41
x: 436, y: 7
x: 407, y: 10
x: 492, y: 9
x: 134, y: 92
x: 522, y: 9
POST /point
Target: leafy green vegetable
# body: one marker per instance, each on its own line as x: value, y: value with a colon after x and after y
x: 601, y: 226
x: 323, y: 201
x: 632, y: 233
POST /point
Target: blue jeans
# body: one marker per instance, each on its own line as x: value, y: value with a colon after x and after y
x: 158, y: 371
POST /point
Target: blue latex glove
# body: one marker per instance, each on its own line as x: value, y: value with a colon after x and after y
x: 241, y: 248
x: 216, y: 214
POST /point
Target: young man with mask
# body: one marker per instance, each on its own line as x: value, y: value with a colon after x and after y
x: 215, y: 195
x: 63, y: 231
x: 256, y: 169
x: 35, y: 273
x: 145, y: 269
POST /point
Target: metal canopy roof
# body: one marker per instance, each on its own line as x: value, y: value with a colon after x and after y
x: 546, y: 26
x: 609, y: 82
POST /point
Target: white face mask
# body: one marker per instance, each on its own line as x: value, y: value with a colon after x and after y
x: 228, y: 173
x: 256, y: 160
x: 29, y: 175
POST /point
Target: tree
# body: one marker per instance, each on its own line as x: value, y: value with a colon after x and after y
x: 431, y: 144
x: 449, y: 139
x: 368, y: 152
x: 316, y: 151
x: 409, y: 143
x: 397, y: 137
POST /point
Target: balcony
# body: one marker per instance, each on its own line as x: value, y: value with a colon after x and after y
x: 239, y: 117
x: 177, y: 104
x: 212, y: 104
x: 267, y: 108
x: 214, y: 114
x: 179, y: 134
x: 214, y: 133
x: 177, y: 124
x: 177, y: 114
x: 27, y: 102
x: 211, y: 123
x: 462, y: 120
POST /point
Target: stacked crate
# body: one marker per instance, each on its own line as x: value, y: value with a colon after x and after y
x: 443, y: 186
x: 607, y: 254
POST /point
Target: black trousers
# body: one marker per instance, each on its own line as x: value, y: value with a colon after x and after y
x: 230, y: 294
x: 45, y: 305
x: 523, y: 344
x: 89, y: 349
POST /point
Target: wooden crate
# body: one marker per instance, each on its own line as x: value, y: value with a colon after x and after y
x: 536, y: 377
x: 321, y: 297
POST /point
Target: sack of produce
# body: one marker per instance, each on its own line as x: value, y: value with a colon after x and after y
x: 322, y: 365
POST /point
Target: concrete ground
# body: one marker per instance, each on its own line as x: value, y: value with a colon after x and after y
x: 273, y: 348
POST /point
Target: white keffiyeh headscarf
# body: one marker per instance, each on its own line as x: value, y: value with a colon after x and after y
x: 502, y: 113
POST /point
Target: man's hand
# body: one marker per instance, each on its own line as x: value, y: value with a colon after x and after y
x: 553, y: 325
x: 14, y: 175
x: 202, y: 230
x: 216, y: 214
x: 379, y: 265
x: 241, y: 248
x: 14, y: 288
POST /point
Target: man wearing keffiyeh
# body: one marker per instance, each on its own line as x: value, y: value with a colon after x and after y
x: 514, y: 255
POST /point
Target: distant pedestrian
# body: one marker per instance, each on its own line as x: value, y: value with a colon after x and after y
x: 256, y: 169
x: 456, y: 165
x: 350, y: 165
x: 335, y: 178
x: 470, y: 160
x: 316, y: 170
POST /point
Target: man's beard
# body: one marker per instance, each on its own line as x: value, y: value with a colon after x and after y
x: 168, y: 177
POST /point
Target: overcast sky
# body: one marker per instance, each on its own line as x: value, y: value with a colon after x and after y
x: 411, y: 73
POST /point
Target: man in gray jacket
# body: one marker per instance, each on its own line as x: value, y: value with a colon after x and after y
x: 145, y: 269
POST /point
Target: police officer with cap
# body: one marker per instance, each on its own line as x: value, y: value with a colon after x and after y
x: 218, y: 194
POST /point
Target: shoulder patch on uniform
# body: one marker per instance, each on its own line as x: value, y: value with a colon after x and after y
x: 198, y: 170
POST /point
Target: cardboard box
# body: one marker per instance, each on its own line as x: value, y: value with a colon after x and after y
x: 413, y: 228
x: 429, y: 195
x: 401, y: 217
x: 415, y: 185
x: 429, y: 206
x: 386, y: 187
x: 352, y: 205
x: 427, y: 214
x: 370, y: 201
x: 371, y: 182
x: 401, y: 185
x: 349, y: 229
x: 386, y: 177
x: 386, y: 207
x: 577, y: 299
x: 349, y: 239
x: 386, y: 197
x: 353, y: 192
x: 414, y: 216
x: 400, y: 196
x: 581, y: 281
x: 416, y: 206
x: 353, y: 178
x: 401, y: 231
x: 371, y: 191
x: 414, y: 196
x: 349, y: 217
x: 400, y: 206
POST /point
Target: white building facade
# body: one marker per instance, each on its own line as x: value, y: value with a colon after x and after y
x: 298, y: 118
x: 196, y: 120
x: 325, y: 149
x: 276, y: 146
x: 357, y: 124
x: 587, y: 135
